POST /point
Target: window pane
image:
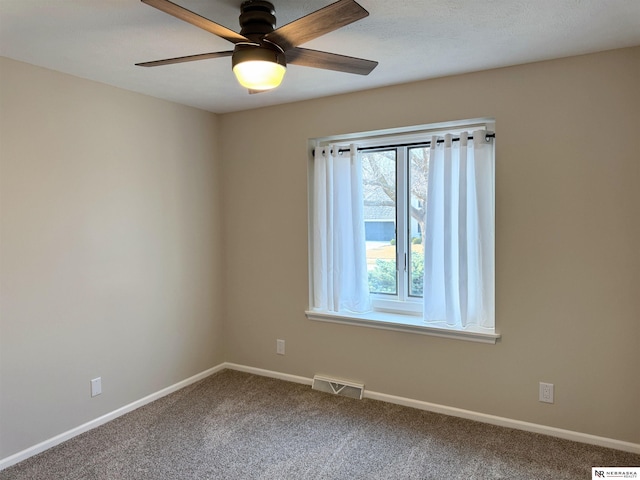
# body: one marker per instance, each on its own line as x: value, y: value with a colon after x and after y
x: 418, y: 172
x: 379, y: 190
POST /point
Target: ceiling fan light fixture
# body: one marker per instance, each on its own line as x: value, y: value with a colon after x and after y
x: 258, y: 68
x: 259, y: 59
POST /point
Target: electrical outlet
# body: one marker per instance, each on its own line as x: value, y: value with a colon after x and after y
x: 546, y: 392
x: 280, y: 347
x: 96, y: 386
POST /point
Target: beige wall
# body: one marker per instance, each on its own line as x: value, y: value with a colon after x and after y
x: 110, y: 238
x: 115, y: 209
x: 567, y: 234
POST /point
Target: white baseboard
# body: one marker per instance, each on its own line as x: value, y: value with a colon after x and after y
x: 408, y: 402
x: 468, y: 414
x: 268, y: 373
x: 507, y: 422
x: 52, y: 442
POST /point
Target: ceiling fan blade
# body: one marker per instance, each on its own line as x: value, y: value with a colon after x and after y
x: 329, y: 61
x: 197, y: 20
x: 188, y: 58
x: 325, y: 20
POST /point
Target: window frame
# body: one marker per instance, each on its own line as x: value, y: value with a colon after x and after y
x: 390, y: 311
x: 402, y: 302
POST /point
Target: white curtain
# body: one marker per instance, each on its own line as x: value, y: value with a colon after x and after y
x: 339, y: 257
x: 459, y: 240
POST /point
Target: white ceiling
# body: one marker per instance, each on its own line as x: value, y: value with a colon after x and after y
x: 412, y: 39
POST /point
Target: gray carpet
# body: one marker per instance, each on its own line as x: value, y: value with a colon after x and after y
x: 234, y: 425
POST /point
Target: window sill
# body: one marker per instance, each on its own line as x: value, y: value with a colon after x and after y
x: 403, y: 323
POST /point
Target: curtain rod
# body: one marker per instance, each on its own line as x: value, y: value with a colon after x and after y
x: 414, y: 144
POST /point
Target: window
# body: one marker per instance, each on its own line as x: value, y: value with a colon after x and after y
x: 402, y: 228
x: 394, y: 202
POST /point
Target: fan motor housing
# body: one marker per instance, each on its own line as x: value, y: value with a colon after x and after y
x: 265, y: 53
x: 257, y: 17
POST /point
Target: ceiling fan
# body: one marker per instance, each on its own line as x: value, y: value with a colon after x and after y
x: 262, y: 52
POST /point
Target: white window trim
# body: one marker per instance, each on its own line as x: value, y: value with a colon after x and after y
x: 387, y: 316
x: 403, y: 323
